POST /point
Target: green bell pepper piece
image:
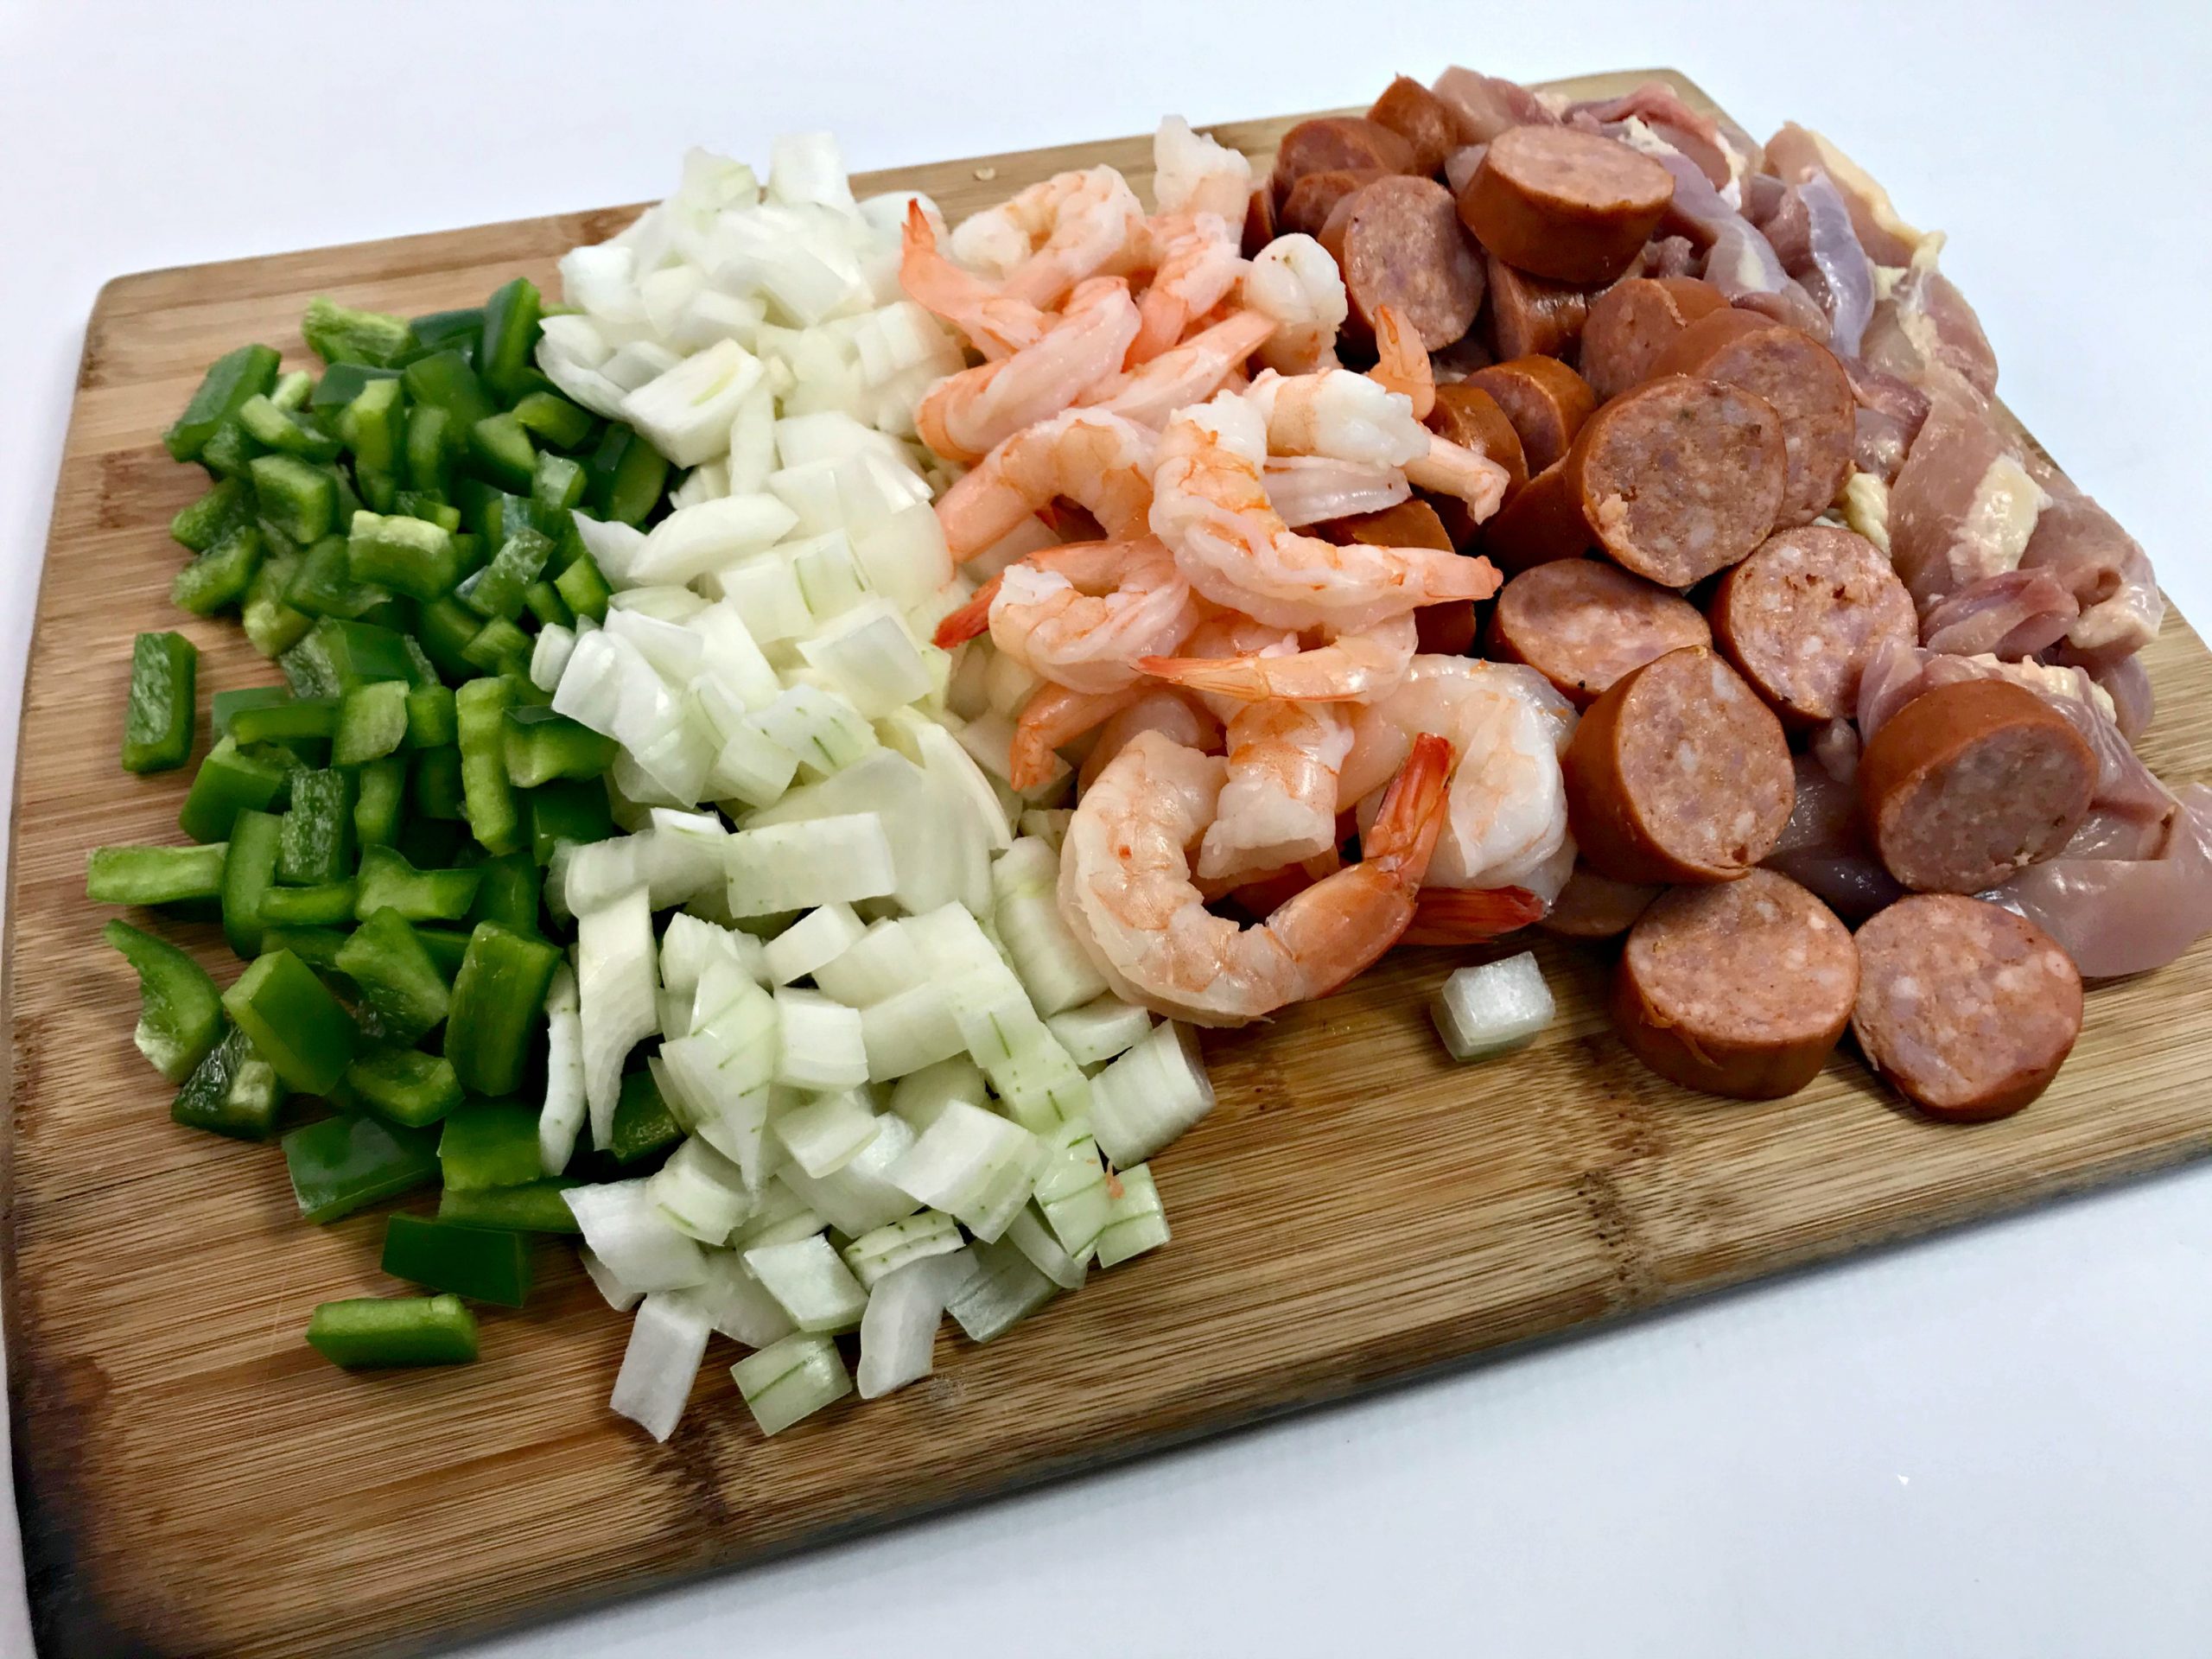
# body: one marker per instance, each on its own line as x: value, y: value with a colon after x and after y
x: 568, y: 810
x: 288, y: 720
x: 429, y: 507
x: 233, y: 1091
x: 224, y: 706
x: 228, y: 451
x: 338, y: 334
x: 542, y: 745
x: 413, y: 556
x: 481, y: 709
x: 400, y: 981
x: 583, y: 589
x: 328, y: 904
x: 374, y: 426
x: 643, y: 1123
x: 627, y: 476
x: 558, y: 481
x: 318, y: 841
x: 405, y: 1085
x: 290, y: 392
x: 318, y: 947
x: 344, y: 1162
x: 430, y: 723
x: 273, y: 626
x: 379, y: 801
x: 203, y: 523
x: 220, y: 577
x: 500, y: 648
x: 445, y: 627
x: 499, y: 449
x: 499, y: 1000
x: 510, y: 337
x: 532, y: 1207
x: 299, y: 499
x: 180, y: 1010
x: 448, y: 947
x: 508, y: 894
x: 445, y: 380
x: 158, y: 723
x: 229, y: 782
x: 302, y: 1030
x: 437, y: 331
x: 337, y: 655
x: 368, y: 1332
x: 438, y: 791
x: 324, y: 584
x: 497, y: 589
x: 429, y: 458
x: 249, y: 872
x: 154, y: 875
x: 371, y: 723
x: 389, y: 881
x: 284, y: 433
x: 543, y: 602
x: 233, y: 378
x: 489, y: 1143
x: 554, y: 418
x: 342, y: 383
x: 485, y: 1264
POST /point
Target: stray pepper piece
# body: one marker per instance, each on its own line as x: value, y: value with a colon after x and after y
x: 158, y: 724
x: 487, y: 1143
x: 230, y: 380
x: 233, y: 1091
x: 368, y: 1332
x: 486, y: 1264
x: 154, y: 875
x: 180, y: 1010
x: 342, y: 1163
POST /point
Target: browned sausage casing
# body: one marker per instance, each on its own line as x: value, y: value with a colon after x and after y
x: 1678, y: 773
x: 1546, y: 401
x: 1803, y: 615
x: 1796, y: 373
x: 1972, y: 782
x: 1742, y: 989
x: 1530, y: 316
x: 1583, y: 623
x: 1594, y: 907
x: 1470, y: 417
x: 1399, y: 244
x: 1677, y: 479
x: 1313, y: 197
x: 1331, y: 143
x: 1258, y: 221
x: 1966, y: 1009
x: 1634, y: 320
x: 1431, y: 128
x: 1564, y: 204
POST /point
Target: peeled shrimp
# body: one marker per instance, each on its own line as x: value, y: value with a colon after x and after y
x: 1128, y: 895
x: 1195, y: 263
x: 1312, y: 489
x: 1090, y: 456
x: 965, y: 413
x: 1353, y: 667
x: 1080, y: 615
x: 1174, y: 715
x: 1193, y: 174
x: 1055, y: 715
x: 1293, y: 282
x: 1279, y: 803
x: 995, y: 323
x: 1191, y: 373
x: 1362, y: 417
x: 1045, y: 239
x: 1210, y: 505
x: 1506, y: 824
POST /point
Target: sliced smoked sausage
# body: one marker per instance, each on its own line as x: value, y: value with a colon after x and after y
x: 1742, y: 989
x: 1399, y: 244
x: 1562, y: 203
x: 1307, y: 207
x: 1329, y: 143
x: 1971, y: 782
x: 1676, y: 480
x: 1431, y: 128
x: 1633, y: 321
x: 1530, y: 316
x: 1258, y: 221
x: 1470, y: 417
x: 1796, y: 373
x: 1546, y: 401
x: 1445, y: 630
x: 1594, y: 907
x: 1802, y: 616
x: 1678, y: 773
x: 1583, y: 623
x: 1966, y: 1009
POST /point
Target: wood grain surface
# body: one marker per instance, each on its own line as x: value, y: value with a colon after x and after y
x: 193, y: 1479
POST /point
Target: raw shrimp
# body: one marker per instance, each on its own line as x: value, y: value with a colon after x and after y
x: 1054, y: 716
x: 1506, y: 822
x: 1092, y: 457
x: 1210, y: 505
x: 1080, y: 615
x: 1194, y: 173
x: 1195, y: 263
x: 995, y: 323
x: 1175, y: 715
x: 1293, y: 282
x: 1471, y: 915
x: 965, y: 413
x: 1190, y: 373
x: 1279, y: 803
x: 1351, y: 667
x: 1128, y: 895
x: 1045, y: 239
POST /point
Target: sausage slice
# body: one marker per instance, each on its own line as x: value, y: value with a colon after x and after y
x: 1583, y: 623
x: 1310, y: 202
x: 1971, y: 782
x: 1594, y: 907
x: 1677, y: 479
x: 1634, y: 320
x: 1678, y: 773
x: 1967, y: 1010
x: 1559, y: 202
x: 1530, y: 316
x: 1546, y: 401
x: 1803, y: 615
x: 1431, y: 128
x: 1796, y: 373
x: 1742, y: 989
x: 1399, y: 244
x: 1331, y: 141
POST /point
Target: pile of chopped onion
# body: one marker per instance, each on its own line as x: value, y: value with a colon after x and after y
x: 832, y: 927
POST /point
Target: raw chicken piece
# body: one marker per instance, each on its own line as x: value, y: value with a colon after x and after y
x: 2116, y: 914
x: 1887, y: 238
x: 1963, y: 507
x: 2083, y: 547
x: 2012, y: 615
x: 1487, y: 105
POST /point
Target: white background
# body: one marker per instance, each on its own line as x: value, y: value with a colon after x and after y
x: 1993, y: 1443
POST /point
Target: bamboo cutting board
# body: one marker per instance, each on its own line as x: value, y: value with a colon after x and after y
x: 193, y: 1480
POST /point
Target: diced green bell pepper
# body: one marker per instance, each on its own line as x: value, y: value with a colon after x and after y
x: 298, y: 498
x: 448, y: 948
x: 497, y: 589
x: 489, y: 1143
x: 485, y: 1264
x: 220, y: 577
x: 338, y: 334
x: 554, y: 418
x: 294, y: 1020
x: 481, y: 709
x: 203, y: 523
x: 344, y: 1162
x: 389, y: 881
x: 405, y: 1085
x: 371, y: 723
x: 567, y: 810
x: 583, y: 589
x: 501, y: 450
x: 508, y: 894
x: 159, y: 722
x: 379, y: 800
x: 437, y: 785
x: 180, y: 1010
x: 342, y: 383
x: 627, y: 475
x: 438, y: 331
x: 154, y: 875
x: 328, y: 904
x: 229, y: 782
x: 509, y: 338
x: 399, y: 982
x: 249, y: 872
x: 428, y: 457
x: 233, y: 1091
x: 500, y: 648
x: 283, y: 433
x: 430, y: 723
x: 272, y: 626
x: 542, y: 745
x: 336, y: 656
x: 318, y: 840
x: 445, y: 380
x: 413, y: 556
x: 233, y: 378
x: 318, y: 947
x: 499, y: 1001
x: 533, y: 1207
x: 288, y: 720
x: 369, y: 1331
x: 324, y: 584
x: 643, y: 1123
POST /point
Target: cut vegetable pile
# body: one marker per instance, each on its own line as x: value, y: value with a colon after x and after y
x: 608, y: 858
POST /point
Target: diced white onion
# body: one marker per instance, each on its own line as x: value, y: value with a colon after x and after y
x: 616, y: 980
x: 822, y: 1043
x: 736, y: 1304
x: 562, y: 1117
x: 1136, y: 1222
x: 1100, y: 1029
x: 668, y: 1340
x: 898, y: 1329
x: 821, y: 936
x: 633, y: 1239
x: 886, y: 1248
x: 826, y: 1133
x: 823, y: 861
x: 1493, y: 1007
x: 976, y: 1167
x: 859, y: 1197
x: 790, y: 1380
x: 1004, y: 1288
x: 811, y: 1284
x: 1150, y: 1095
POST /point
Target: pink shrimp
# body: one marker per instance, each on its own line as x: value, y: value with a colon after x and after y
x: 1195, y: 263
x: 1044, y: 240
x: 1053, y: 716
x: 964, y: 414
x: 1401, y: 362
x: 1096, y: 459
x: 1081, y: 614
x: 1189, y: 374
x: 1349, y: 668
x: 1278, y: 803
x: 1128, y: 893
x: 1471, y: 915
x: 1163, y: 709
x: 997, y: 324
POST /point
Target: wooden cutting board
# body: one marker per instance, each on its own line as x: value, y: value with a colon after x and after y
x: 193, y: 1480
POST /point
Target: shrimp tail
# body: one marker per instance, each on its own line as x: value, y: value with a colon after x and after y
x: 1402, y: 364
x: 1054, y: 716
x: 1242, y: 678
x: 1470, y: 915
x: 1412, y: 814
x: 970, y: 619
